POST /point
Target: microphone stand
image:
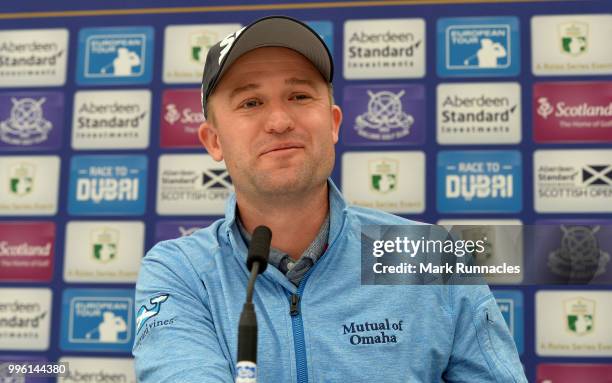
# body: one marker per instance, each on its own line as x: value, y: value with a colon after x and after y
x: 257, y: 261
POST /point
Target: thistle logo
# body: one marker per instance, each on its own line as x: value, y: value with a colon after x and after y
x: 104, y: 244
x: 580, y: 315
x: 21, y: 179
x: 385, y: 118
x: 579, y: 257
x: 172, y: 114
x: 574, y: 38
x: 200, y: 43
x: 545, y: 109
x: 383, y: 175
x: 597, y: 175
x: 216, y: 179
x: 145, y: 313
x: 26, y: 124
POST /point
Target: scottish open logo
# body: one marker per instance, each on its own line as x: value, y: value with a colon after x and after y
x: 115, y: 56
x: 479, y: 181
x: 478, y: 46
x: 102, y: 185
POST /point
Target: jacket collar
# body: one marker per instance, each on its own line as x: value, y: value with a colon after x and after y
x: 337, y: 206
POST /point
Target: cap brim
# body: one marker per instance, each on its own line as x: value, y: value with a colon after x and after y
x: 279, y: 31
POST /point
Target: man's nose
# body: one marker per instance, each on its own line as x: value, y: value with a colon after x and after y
x: 279, y: 120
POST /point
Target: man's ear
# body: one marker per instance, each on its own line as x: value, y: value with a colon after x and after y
x: 209, y: 137
x: 336, y: 121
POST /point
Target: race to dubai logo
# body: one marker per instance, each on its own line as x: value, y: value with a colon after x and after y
x: 579, y: 256
x: 479, y: 181
x: 478, y: 46
x: 115, y: 55
x: 22, y: 178
x: 383, y: 175
x: 574, y: 37
x: 580, y: 315
x: 33, y: 57
x: 107, y: 184
x: 27, y: 124
x: 186, y: 47
x: 181, y: 118
x: 111, y: 119
x: 104, y: 244
x: 384, y: 48
x: 483, y: 113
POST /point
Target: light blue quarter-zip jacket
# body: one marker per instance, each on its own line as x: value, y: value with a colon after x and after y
x: 330, y: 328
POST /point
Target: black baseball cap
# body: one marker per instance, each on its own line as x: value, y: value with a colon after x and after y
x: 272, y: 31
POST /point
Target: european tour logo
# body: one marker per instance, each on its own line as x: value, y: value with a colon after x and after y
x: 377, y: 332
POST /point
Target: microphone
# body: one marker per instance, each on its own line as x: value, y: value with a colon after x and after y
x: 257, y: 261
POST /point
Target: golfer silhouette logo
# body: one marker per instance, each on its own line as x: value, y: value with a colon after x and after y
x: 109, y: 329
x: 488, y: 55
x: 124, y: 63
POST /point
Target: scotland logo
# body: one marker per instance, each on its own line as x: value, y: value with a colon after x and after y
x: 545, y: 109
x: 579, y: 257
x: 385, y: 118
x: 144, y: 313
x: 26, y: 125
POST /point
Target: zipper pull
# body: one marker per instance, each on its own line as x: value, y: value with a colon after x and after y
x: 295, y: 300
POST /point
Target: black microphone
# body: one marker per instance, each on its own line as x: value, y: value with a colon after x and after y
x: 257, y: 261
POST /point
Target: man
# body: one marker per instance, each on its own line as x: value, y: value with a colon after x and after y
x: 266, y: 94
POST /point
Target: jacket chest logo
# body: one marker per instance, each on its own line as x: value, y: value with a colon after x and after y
x: 375, y: 332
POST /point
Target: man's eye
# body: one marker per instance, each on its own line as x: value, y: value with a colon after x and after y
x: 250, y: 104
x: 301, y: 97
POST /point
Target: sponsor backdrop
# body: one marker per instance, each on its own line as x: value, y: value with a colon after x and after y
x: 498, y: 114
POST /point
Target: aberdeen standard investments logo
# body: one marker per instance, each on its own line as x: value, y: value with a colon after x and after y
x: 25, y: 319
x: 107, y: 185
x: 33, y: 57
x: 385, y: 114
x: 31, y: 120
x: 479, y: 181
x: 111, y: 119
x: 572, y: 112
x: 478, y: 46
x: 114, y: 56
x: 483, y: 113
x: 384, y: 48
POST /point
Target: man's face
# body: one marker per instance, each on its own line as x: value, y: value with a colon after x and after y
x: 271, y: 120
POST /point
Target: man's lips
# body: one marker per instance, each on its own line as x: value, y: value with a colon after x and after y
x: 281, y: 147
